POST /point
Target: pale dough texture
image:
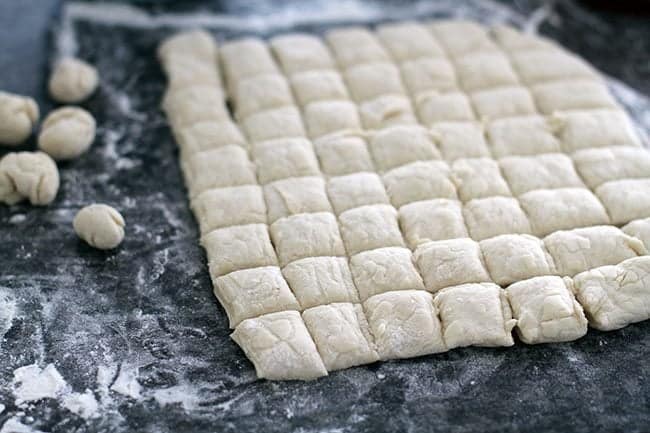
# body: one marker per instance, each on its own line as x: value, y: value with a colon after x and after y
x: 28, y: 175
x: 67, y: 133
x: 73, y: 80
x: 18, y: 115
x: 100, y: 225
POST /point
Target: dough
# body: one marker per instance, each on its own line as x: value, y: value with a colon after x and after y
x: 426, y: 75
x: 184, y: 70
x: 321, y: 280
x: 493, y: 216
x: 72, y: 81
x: 404, y: 323
x: 537, y: 66
x: 625, y: 200
x: 261, y: 92
x: 18, y: 115
x: 355, y: 190
x: 432, y: 220
x: 209, y: 135
x: 245, y: 58
x: 503, y: 102
x: 615, y: 296
x: 223, y: 207
x: 283, y: 158
x: 408, y: 40
x: 298, y: 52
x: 327, y: 117
x: 546, y: 311
x: 354, y: 46
x: 548, y: 171
x: 67, y: 133
x: 100, y: 225
x: 296, y: 195
x: 640, y: 229
x: 514, y: 40
x: 318, y: 85
x: 341, y: 334
x: 369, y: 227
x: 197, y: 44
x: 478, y: 178
x: 434, y: 107
x: 595, y: 128
x: 484, y: 70
x: 218, y: 168
x: 460, y: 140
x: 252, y: 292
x: 597, y: 166
x: 399, y: 145
x: 280, y: 347
x: 450, y: 263
x: 578, y: 250
x: 572, y: 95
x: 529, y: 135
x: 28, y: 175
x: 189, y: 105
x: 383, y: 270
x: 386, y: 111
x: 284, y: 122
x: 370, y: 80
x: 475, y: 315
x: 460, y: 37
x: 417, y: 181
x: 340, y: 155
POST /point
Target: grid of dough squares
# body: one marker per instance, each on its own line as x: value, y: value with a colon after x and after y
x: 402, y: 192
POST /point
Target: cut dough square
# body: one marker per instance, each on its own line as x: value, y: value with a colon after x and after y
x: 548, y: 171
x: 203, y: 136
x: 295, y: 195
x: 327, y: 117
x: 615, y: 296
x: 306, y: 235
x: 511, y: 258
x: 383, y: 270
x: 245, y: 58
x: 578, y: 250
x: 369, y: 227
x: 529, y: 135
x: 283, y: 158
x: 478, y: 178
x: 223, y: 207
x: 238, y: 247
x: 461, y: 140
x: 252, y: 292
x: 595, y: 128
x: 550, y: 65
x: 196, y: 44
x: 341, y: 334
x: 312, y: 86
x: 460, y: 37
x: 188, y: 105
x: 260, y: 93
x: 546, y: 311
x: 597, y: 166
x: 355, y: 190
x: 475, y: 315
x: 422, y: 180
x: 400, y: 145
x: 503, y: 102
x: 370, y: 80
x: 386, y: 111
x: 451, y: 263
x: 284, y: 122
x: 428, y: 75
x: 280, y: 347
x: 626, y: 200
x: 437, y: 107
x: 183, y: 70
x: 218, y: 168
x: 571, y: 95
x: 513, y: 40
x: 484, y: 70
x: 493, y: 216
x: 404, y: 323
x: 299, y: 52
x: 354, y: 46
x: 640, y: 229
x: 432, y: 220
x: 340, y: 155
x: 562, y: 209
x: 321, y: 280
x: 408, y: 40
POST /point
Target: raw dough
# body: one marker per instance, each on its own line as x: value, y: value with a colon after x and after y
x: 67, y: 133
x: 625, y: 200
x: 196, y: 44
x: 538, y: 66
x: 460, y: 37
x: 340, y: 155
x: 408, y: 40
x: 514, y: 40
x: 478, y: 178
x: 493, y: 216
x: 503, y: 102
x: 369, y: 227
x: 261, y: 92
x: 295, y: 195
x: 354, y: 46
x: 28, y: 175
x: 355, y: 190
x: 399, y: 145
x: 318, y: 85
x: 189, y: 105
x: 548, y: 171
x: 298, y: 52
x: 371, y: 80
x: 460, y: 140
x: 209, y: 135
x: 18, y: 115
x: 245, y: 58
x: 72, y: 81
x: 640, y: 229
x: 223, y: 207
x: 284, y: 122
x: 327, y: 117
x: 572, y: 95
x: 484, y: 70
x: 100, y: 225
x: 432, y: 220
x: 425, y: 75
x: 283, y: 158
x: 417, y: 181
x: 529, y: 135
x: 218, y: 168
x: 597, y: 166
x: 435, y: 107
x: 386, y: 111
x: 594, y: 128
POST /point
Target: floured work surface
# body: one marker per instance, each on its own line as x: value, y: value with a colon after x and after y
x: 402, y: 192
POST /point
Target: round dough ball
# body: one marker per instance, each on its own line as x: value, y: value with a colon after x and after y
x: 31, y: 175
x: 67, y: 133
x: 18, y: 115
x: 73, y: 80
x: 100, y: 226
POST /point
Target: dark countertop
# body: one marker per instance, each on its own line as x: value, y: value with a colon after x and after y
x: 138, y: 340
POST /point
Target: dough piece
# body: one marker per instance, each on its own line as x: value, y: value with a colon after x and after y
x: 355, y: 190
x: 244, y: 58
x: 327, y: 117
x: 578, y: 250
x: 513, y: 40
x: 280, y: 347
x: 18, y: 115
x: 475, y: 315
x: 250, y: 293
x: 355, y: 45
x: 296, y: 195
x: 368, y: 81
x: 197, y: 44
x: 461, y: 140
x: 595, y: 128
x: 426, y: 74
x: 408, y: 40
x: 321, y: 280
x: 597, y: 166
x: 28, y: 175
x: 369, y: 227
x: 218, y: 168
x: 283, y: 158
x: 399, y: 145
x: 313, y: 86
x: 72, y: 81
x: 224, y: 207
x: 306, y: 235
x: 437, y: 107
x: 529, y: 135
x: 615, y: 296
x: 203, y: 136
x: 341, y: 335
x: 386, y: 111
x: 493, y: 216
x: 562, y: 209
x: 511, y: 258
x: 284, y: 122
x: 100, y: 225
x: 189, y: 105
x: 625, y: 200
x: 503, y: 102
x: 422, y: 180
x: 183, y: 70
x: 404, y: 323
x: 546, y: 311
x: 572, y: 95
x: 298, y: 52
x: 340, y: 155
x: 548, y: 171
x: 67, y: 133
x: 484, y: 70
x: 383, y: 270
x: 640, y: 229
x: 460, y: 37
x: 432, y: 220
x: 450, y: 263
x: 262, y: 92
x: 550, y: 65
x: 478, y: 178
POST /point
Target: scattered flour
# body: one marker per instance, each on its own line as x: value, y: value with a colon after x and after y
x: 85, y: 405
x: 31, y: 383
x: 126, y: 383
x: 8, y: 310
x: 12, y: 425
x: 183, y: 394
x: 17, y: 218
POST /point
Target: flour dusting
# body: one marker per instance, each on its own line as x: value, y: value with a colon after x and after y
x: 33, y: 384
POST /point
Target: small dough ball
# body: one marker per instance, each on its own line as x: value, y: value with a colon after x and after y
x: 73, y: 80
x: 100, y: 226
x: 67, y: 133
x: 31, y: 175
x: 18, y: 114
